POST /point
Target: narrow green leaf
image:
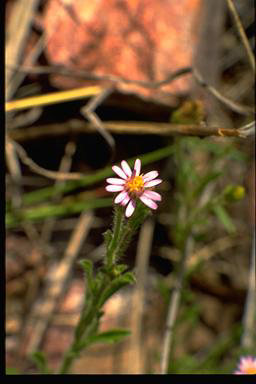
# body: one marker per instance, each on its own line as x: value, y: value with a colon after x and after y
x: 41, y: 212
x: 115, y: 285
x: 41, y: 362
x: 112, y: 336
x: 120, y: 268
x: 224, y: 218
x: 108, y: 235
x: 204, y: 181
x: 88, y: 269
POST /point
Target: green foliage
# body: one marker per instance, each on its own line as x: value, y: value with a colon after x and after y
x: 114, y: 286
x: 193, y: 213
x: 88, y: 269
x: 132, y: 226
x: 112, y: 336
x: 41, y: 362
x: 114, y: 241
x: 99, y: 290
x: 200, y: 199
x: 211, y: 360
x: 12, y: 371
x: 204, y: 181
x: 108, y: 235
x: 102, y: 285
x: 224, y: 218
x: 44, y: 211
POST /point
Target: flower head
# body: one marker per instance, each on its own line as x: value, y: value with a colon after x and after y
x: 134, y: 185
x: 246, y: 366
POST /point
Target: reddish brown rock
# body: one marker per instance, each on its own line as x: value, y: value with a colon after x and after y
x: 136, y: 39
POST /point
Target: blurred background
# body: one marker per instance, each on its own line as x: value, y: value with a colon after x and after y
x: 85, y: 88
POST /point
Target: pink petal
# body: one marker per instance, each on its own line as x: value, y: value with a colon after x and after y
x: 130, y: 209
x: 112, y: 180
x: 151, y: 183
x: 119, y: 172
x: 125, y: 200
x: 151, y: 204
x: 121, y: 196
x: 137, y: 166
x: 150, y: 175
x: 114, y: 188
x: 152, y: 195
x: 126, y: 168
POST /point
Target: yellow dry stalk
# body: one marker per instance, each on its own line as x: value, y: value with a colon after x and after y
x: 52, y: 98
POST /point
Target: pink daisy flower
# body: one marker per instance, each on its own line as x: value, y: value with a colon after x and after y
x: 132, y: 185
x: 246, y: 366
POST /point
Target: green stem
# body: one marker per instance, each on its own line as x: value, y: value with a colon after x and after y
x: 140, y: 214
x: 66, y: 364
x: 117, y: 230
x: 88, y: 322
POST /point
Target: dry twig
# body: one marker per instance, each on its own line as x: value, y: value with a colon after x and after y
x: 18, y: 28
x: 64, y: 167
x: 56, y: 283
x: 40, y: 100
x: 88, y: 111
x: 17, y: 32
x: 137, y: 360
x: 130, y: 127
x: 234, y: 106
x: 242, y: 33
x: 173, y: 307
x: 42, y: 171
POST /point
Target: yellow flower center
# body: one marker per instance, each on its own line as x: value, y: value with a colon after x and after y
x: 250, y: 370
x: 136, y: 184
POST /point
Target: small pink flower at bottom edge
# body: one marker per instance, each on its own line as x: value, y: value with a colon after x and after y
x: 246, y: 366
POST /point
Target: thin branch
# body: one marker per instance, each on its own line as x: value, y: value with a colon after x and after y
x: 84, y: 75
x: 242, y: 33
x: 20, y: 22
x: 118, y: 128
x: 18, y: 29
x: 15, y: 172
x: 236, y: 107
x: 138, y: 348
x: 64, y: 167
x: 42, y: 171
x: 26, y: 118
x: 248, y: 129
x: 130, y: 127
x: 173, y: 307
x: 96, y: 90
x: 56, y: 282
x: 88, y: 111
